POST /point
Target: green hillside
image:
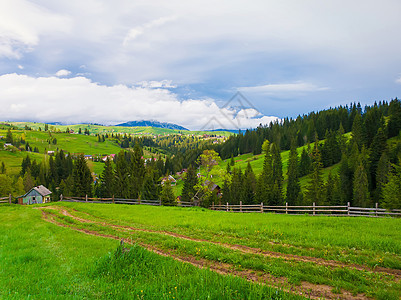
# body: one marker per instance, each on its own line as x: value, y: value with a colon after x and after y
x: 101, y: 129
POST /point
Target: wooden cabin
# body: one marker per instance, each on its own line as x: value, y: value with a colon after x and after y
x: 38, y: 194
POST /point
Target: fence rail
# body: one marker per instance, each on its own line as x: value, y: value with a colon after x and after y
x: 334, y: 210
x: 321, y: 210
x: 6, y: 199
x: 121, y: 201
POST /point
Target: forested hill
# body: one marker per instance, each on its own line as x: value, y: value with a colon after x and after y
x: 153, y: 123
x: 364, y: 122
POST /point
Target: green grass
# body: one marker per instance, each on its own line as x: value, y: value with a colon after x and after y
x: 42, y: 261
x: 118, y: 129
x: 362, y: 241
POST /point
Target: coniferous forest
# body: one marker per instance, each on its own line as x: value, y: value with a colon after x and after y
x: 363, y: 142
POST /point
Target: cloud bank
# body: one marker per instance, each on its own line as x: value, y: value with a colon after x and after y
x: 78, y: 99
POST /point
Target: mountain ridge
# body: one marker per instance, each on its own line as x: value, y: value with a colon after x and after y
x: 152, y: 123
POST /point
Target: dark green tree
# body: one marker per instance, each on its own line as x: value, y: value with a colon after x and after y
x: 82, y: 178
x: 361, y: 197
x: 249, y: 185
x: 107, y: 180
x: 190, y: 181
x: 167, y: 196
x: 265, y: 182
x: 315, y: 187
x: 293, y: 186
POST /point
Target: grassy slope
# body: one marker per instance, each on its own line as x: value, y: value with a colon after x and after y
x: 119, y: 129
x: 42, y: 261
x: 363, y: 241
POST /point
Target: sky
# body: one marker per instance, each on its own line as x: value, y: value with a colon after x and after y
x: 200, y: 64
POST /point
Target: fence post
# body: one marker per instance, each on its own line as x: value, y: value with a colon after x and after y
x: 313, y: 208
x: 240, y: 206
x: 213, y: 206
x: 112, y: 199
x: 377, y: 206
x: 61, y: 197
x: 139, y: 200
x: 86, y: 198
x: 348, y: 206
x: 286, y: 208
x: 9, y: 199
x: 227, y: 206
x: 261, y: 207
x: 160, y: 202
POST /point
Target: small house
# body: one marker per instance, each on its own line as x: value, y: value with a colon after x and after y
x: 171, y: 179
x: 38, y: 194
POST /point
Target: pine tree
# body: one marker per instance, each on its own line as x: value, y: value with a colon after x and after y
x: 304, y: 163
x: 293, y: 186
x: 137, y: 172
x: 361, y: 187
x: 392, y: 189
x: 236, y: 186
x: 249, y: 186
x: 382, y: 176
x: 121, y: 177
x: 379, y: 145
x: 190, y: 181
x: 167, y: 196
x: 357, y: 131
x: 277, y: 167
x: 315, y: 188
x: 150, y: 190
x: 106, y: 180
x: 265, y: 183
x: 82, y: 178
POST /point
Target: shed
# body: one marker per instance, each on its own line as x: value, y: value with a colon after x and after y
x: 38, y: 194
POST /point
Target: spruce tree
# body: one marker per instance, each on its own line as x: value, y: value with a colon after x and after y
x: 106, y: 180
x: 361, y: 196
x: 28, y: 180
x: 190, y: 181
x: 249, y: 186
x: 82, y: 178
x: 121, y: 177
x: 293, y: 186
x: 277, y: 168
x: 315, y: 188
x: 137, y: 172
x: 264, y: 183
x: 382, y: 176
x: 392, y: 189
x: 236, y: 186
x: 167, y: 196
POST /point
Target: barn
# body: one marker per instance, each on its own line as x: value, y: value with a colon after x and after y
x: 38, y: 194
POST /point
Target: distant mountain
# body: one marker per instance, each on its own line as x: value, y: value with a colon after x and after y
x: 151, y: 123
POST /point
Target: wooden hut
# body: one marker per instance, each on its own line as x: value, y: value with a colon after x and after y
x: 38, y: 194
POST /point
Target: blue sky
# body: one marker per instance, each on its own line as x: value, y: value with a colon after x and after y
x: 115, y: 61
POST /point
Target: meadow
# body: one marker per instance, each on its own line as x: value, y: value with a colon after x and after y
x: 329, y: 257
x: 39, y: 260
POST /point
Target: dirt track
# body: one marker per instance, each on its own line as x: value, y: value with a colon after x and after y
x: 314, y: 291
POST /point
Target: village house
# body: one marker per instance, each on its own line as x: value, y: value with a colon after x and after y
x: 38, y: 194
x: 170, y: 178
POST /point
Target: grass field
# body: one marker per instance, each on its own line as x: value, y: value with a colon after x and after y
x: 39, y: 260
x: 352, y: 258
x: 118, y: 129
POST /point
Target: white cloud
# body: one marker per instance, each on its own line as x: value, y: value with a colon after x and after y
x: 20, y: 67
x: 157, y: 84
x: 398, y: 80
x: 283, y: 88
x: 21, y: 25
x: 78, y: 99
x: 63, y: 73
x: 135, y: 32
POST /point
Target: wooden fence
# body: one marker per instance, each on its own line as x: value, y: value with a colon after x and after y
x: 337, y: 210
x: 121, y: 201
x: 314, y: 210
x: 6, y: 199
